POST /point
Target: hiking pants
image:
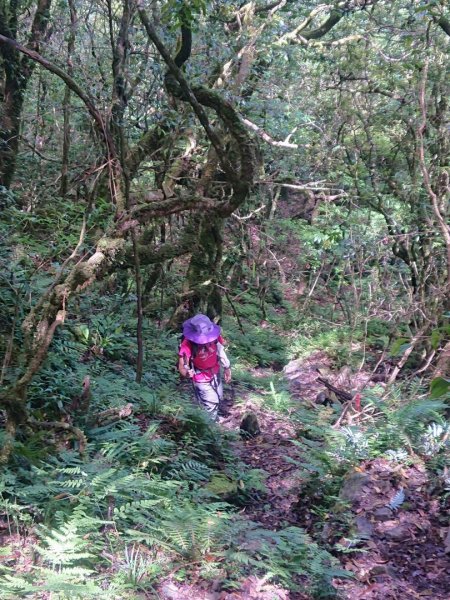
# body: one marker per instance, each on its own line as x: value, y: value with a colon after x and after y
x: 209, y: 395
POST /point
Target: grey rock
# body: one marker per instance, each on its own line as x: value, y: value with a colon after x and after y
x: 398, y: 534
x: 353, y: 486
x: 291, y: 370
x: 447, y: 542
x: 170, y: 591
x: 383, y: 514
x: 249, y: 426
x: 364, y: 526
x: 386, y: 569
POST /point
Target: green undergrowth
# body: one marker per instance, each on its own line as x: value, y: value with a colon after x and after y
x: 268, y: 393
x: 401, y: 426
x: 115, y: 509
x: 401, y: 431
x: 340, y: 343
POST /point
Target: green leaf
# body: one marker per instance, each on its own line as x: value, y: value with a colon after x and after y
x: 439, y: 387
x: 424, y: 7
x: 435, y: 338
x: 399, y: 346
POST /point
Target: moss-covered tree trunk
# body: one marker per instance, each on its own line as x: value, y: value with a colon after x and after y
x: 203, y: 276
x: 17, y: 71
x: 10, y: 129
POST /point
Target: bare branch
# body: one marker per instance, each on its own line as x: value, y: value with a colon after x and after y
x: 444, y: 227
x: 250, y: 215
x: 301, y: 34
x: 269, y: 7
x: 345, y: 40
x: 71, y: 83
x: 314, y: 186
x: 293, y: 37
x: 190, y: 96
x: 114, y: 168
x: 266, y: 137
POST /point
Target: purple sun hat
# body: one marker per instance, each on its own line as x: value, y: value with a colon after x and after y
x: 200, y: 330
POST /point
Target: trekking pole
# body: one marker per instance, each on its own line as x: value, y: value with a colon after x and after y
x: 189, y: 367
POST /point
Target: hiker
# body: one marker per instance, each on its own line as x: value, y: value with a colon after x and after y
x: 201, y: 355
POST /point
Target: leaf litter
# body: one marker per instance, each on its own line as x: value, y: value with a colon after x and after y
x: 404, y: 539
x: 404, y: 535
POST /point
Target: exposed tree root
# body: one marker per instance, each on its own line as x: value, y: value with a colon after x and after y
x: 75, y: 431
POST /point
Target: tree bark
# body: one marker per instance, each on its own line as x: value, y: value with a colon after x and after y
x: 17, y: 73
x: 204, y: 270
x: 66, y: 101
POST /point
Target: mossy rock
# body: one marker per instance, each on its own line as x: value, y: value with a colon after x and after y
x: 249, y: 427
x: 221, y: 485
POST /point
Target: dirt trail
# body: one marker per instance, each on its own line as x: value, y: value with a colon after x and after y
x: 403, y: 552
x: 276, y: 509
x: 269, y: 450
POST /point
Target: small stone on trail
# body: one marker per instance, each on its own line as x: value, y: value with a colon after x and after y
x: 170, y: 591
x: 353, y: 486
x: 447, y: 542
x: 386, y: 569
x: 398, y: 534
x: 383, y: 514
x: 249, y: 426
x: 364, y: 526
x: 322, y: 398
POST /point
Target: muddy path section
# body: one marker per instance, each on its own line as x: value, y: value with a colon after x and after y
x: 274, y: 451
x: 404, y: 552
x: 268, y: 451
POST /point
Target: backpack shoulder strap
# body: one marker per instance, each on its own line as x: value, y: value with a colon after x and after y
x: 180, y: 341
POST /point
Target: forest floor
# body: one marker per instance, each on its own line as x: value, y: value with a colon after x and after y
x: 402, y: 553
x: 390, y: 508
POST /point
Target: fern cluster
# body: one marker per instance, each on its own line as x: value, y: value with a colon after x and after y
x: 288, y: 555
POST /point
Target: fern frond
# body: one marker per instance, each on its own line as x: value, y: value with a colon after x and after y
x: 397, y: 500
x: 63, y: 547
x: 190, y: 470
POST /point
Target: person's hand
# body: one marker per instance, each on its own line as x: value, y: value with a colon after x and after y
x: 186, y: 372
x: 227, y: 375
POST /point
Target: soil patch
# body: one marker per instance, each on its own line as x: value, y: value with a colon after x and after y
x: 404, y: 552
x: 268, y: 451
x: 404, y: 539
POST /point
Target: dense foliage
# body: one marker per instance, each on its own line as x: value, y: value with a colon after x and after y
x: 281, y: 166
